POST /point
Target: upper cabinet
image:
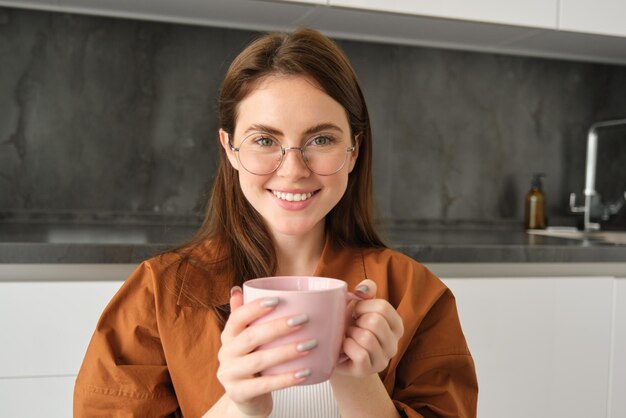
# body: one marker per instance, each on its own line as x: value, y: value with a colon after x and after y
x: 237, y: 14
x: 561, y: 29
x: 509, y: 27
x: 319, y: 2
x: 603, y: 17
x: 531, y: 13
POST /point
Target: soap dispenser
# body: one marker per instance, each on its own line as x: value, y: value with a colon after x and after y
x: 535, y: 214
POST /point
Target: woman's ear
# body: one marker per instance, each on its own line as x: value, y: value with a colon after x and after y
x: 225, y: 141
x: 355, y: 154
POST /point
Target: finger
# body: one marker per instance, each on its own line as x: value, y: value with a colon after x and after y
x: 260, y: 360
x: 378, y: 359
x: 359, y: 357
x: 379, y: 328
x: 240, y: 318
x: 383, y: 308
x: 251, y: 388
x: 366, y: 289
x: 365, y: 339
x: 236, y: 298
x: 257, y: 335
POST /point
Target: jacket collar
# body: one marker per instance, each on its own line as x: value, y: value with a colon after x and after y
x: 199, y: 287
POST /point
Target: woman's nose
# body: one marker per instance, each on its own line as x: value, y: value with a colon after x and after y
x: 293, y: 164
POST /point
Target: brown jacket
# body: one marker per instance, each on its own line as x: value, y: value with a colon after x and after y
x: 154, y: 351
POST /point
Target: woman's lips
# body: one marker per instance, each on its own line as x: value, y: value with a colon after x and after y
x: 297, y: 200
x: 292, y: 197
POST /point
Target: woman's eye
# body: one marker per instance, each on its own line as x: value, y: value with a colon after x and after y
x: 264, y: 141
x: 322, y: 140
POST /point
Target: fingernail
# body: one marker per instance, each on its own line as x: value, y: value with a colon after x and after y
x: 297, y: 320
x: 307, y: 345
x: 269, y: 302
x: 362, y: 288
x: 235, y: 289
x: 303, y: 373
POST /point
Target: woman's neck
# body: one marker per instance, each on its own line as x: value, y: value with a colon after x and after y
x: 299, y: 255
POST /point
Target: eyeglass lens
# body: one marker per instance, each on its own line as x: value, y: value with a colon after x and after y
x: 323, y: 154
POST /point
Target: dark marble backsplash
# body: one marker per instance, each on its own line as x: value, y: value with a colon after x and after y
x: 119, y: 116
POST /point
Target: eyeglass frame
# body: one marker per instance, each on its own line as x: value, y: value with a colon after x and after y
x: 283, y: 152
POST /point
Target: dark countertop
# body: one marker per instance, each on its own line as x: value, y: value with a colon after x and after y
x: 58, y: 242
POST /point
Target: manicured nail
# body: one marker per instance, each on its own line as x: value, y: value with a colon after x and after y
x: 303, y: 373
x: 294, y: 321
x: 235, y: 289
x: 362, y: 288
x: 269, y: 302
x: 307, y: 345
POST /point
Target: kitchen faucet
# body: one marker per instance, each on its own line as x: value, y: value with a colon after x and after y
x: 593, y: 202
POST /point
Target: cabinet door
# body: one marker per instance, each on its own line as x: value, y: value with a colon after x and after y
x: 28, y: 4
x: 532, y: 13
x: 46, y: 326
x: 318, y: 2
x: 37, y: 397
x: 617, y: 400
x: 244, y: 14
x: 541, y: 345
x: 604, y: 17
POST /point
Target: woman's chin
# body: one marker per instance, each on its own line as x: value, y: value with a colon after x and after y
x: 295, y: 229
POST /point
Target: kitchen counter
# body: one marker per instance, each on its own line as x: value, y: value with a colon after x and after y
x: 102, y: 243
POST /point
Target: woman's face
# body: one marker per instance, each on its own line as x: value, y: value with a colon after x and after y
x: 291, y: 110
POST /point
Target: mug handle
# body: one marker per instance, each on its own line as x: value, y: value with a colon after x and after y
x: 349, y: 296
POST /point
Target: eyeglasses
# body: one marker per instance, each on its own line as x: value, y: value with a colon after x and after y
x: 323, y: 154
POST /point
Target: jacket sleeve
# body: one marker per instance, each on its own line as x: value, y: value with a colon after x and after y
x: 432, y: 374
x: 436, y: 376
x: 124, y: 368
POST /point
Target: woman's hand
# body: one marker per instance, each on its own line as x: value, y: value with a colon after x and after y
x: 373, y: 338
x: 240, y: 364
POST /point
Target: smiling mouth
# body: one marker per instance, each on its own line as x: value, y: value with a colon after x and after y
x: 293, y: 197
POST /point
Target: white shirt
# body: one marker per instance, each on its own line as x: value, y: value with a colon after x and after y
x: 308, y: 401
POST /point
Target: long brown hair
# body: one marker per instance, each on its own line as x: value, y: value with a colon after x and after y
x: 240, y: 242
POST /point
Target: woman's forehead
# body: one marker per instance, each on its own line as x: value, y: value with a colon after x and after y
x: 289, y: 104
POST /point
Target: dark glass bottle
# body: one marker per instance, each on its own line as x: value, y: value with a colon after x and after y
x: 535, y: 213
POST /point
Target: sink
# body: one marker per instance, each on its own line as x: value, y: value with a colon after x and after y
x: 608, y: 237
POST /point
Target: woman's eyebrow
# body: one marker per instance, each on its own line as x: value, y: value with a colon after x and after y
x: 323, y: 127
x: 326, y: 126
x: 258, y: 127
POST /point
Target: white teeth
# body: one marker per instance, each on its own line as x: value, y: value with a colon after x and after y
x: 292, y: 197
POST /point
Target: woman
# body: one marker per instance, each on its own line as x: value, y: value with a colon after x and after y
x: 292, y: 196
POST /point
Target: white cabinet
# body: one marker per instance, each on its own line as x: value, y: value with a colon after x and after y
x: 244, y: 14
x: 34, y: 397
x: 531, y: 13
x: 542, y: 345
x: 46, y: 327
x: 318, y: 2
x: 604, y: 17
x: 538, y: 342
x: 507, y: 27
x: 617, y: 401
x: 30, y: 4
x: 241, y: 14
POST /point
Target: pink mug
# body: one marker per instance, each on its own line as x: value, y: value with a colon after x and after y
x: 324, y: 300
